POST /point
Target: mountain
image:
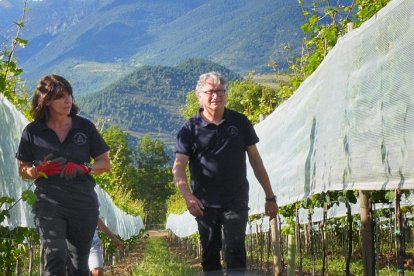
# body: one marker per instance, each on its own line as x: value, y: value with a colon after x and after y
x: 94, y: 42
x: 148, y: 99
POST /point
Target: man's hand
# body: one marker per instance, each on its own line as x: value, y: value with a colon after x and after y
x: 117, y: 243
x: 72, y: 170
x: 194, y: 205
x: 50, y: 166
x: 271, y: 209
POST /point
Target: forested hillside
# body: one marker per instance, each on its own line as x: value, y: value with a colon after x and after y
x: 148, y: 99
x: 93, y: 42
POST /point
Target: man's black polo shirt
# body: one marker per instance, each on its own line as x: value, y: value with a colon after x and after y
x: 82, y: 142
x: 217, y: 157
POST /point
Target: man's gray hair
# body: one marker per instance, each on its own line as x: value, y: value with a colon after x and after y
x: 215, y: 76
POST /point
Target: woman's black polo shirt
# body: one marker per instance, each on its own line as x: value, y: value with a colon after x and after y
x: 82, y: 142
x: 217, y: 157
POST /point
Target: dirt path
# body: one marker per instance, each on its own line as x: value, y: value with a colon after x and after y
x: 157, y: 233
x: 125, y: 266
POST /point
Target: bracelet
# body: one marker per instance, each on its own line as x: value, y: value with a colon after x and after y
x: 271, y: 199
x: 89, y: 166
x: 36, y: 173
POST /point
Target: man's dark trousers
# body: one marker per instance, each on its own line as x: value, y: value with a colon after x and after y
x: 233, y: 220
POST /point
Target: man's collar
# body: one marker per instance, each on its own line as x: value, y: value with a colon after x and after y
x: 206, y: 123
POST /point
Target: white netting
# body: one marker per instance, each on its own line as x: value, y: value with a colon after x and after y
x: 117, y: 220
x: 182, y: 225
x: 350, y: 125
x: 12, y: 123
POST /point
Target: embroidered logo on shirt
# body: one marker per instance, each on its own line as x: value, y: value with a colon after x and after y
x: 233, y: 131
x: 79, y: 138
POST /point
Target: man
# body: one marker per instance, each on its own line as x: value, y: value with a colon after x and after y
x: 214, y: 144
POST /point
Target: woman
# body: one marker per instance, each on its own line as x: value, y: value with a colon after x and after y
x: 56, y: 150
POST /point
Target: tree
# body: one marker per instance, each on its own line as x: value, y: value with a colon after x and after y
x: 154, y: 183
x: 252, y: 99
x: 151, y: 153
x: 120, y: 181
x: 191, y: 106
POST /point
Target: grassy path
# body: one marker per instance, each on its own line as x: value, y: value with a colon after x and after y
x: 154, y: 256
x: 158, y: 261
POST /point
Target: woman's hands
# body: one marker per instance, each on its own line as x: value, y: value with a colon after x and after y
x: 50, y: 166
x: 68, y: 170
x: 72, y: 170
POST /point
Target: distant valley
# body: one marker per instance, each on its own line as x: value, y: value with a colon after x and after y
x: 132, y: 62
x: 96, y: 42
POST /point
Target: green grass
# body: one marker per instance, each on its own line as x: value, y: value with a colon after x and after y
x: 158, y: 261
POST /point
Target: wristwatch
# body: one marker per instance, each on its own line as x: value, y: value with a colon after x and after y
x: 271, y: 199
x: 89, y: 166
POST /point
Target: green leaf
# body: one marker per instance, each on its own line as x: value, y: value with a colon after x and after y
x: 313, y: 19
x: 307, y: 203
x: 350, y: 196
x: 29, y: 196
x: 6, y: 199
x: 389, y: 196
x: 22, y: 42
x: 2, y: 84
x: 4, y: 214
x: 20, y: 24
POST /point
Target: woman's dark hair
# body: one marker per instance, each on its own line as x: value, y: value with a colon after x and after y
x: 50, y: 87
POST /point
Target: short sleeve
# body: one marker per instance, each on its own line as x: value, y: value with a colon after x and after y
x: 97, y: 143
x: 251, y: 136
x: 24, y: 152
x: 183, y: 143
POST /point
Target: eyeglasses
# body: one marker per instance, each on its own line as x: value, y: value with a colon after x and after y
x: 220, y: 92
